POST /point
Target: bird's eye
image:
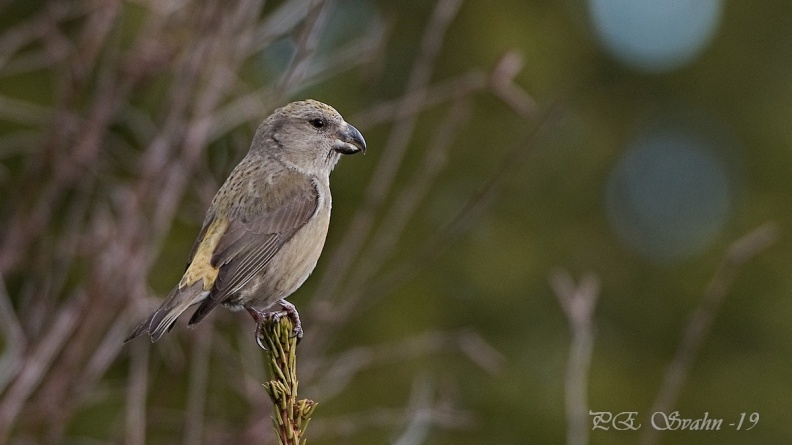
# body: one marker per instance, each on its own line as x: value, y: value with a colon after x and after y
x: 318, y: 123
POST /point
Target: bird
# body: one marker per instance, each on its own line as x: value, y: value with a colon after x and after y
x: 265, y: 228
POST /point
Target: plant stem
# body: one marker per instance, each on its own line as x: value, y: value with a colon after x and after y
x: 290, y: 416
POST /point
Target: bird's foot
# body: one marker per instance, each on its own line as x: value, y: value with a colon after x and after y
x: 258, y: 318
x: 288, y: 310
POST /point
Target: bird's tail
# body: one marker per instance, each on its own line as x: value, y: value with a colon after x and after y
x: 162, y: 320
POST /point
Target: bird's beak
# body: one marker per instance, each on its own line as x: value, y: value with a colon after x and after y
x: 349, y: 141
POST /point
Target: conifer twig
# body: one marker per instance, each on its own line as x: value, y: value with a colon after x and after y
x: 275, y: 334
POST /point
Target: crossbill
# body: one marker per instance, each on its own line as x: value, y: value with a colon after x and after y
x: 266, y: 226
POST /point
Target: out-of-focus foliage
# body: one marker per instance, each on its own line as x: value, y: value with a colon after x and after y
x: 633, y: 142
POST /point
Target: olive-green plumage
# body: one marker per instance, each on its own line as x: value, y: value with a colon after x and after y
x: 266, y: 226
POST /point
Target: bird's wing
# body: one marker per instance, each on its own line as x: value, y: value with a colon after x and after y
x: 207, y: 222
x: 192, y: 288
x: 256, y: 233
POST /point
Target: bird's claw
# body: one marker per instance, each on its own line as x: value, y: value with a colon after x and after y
x: 288, y: 310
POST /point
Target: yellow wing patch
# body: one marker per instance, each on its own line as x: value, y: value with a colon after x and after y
x: 201, y: 267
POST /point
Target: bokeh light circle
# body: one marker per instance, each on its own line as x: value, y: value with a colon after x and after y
x: 655, y: 35
x: 669, y: 194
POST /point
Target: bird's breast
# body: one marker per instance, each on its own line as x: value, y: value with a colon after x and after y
x: 293, y: 263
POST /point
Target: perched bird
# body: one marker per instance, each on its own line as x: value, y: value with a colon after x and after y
x: 266, y: 226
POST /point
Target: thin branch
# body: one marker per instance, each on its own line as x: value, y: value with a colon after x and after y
x: 439, y: 414
x: 281, y: 22
x: 697, y: 328
x: 38, y: 363
x: 23, y: 34
x: 503, y: 86
x: 414, y: 102
x: 13, y: 337
x: 465, y: 218
x: 418, y: 426
x: 315, y: 22
x: 335, y: 373
x: 578, y: 303
x: 16, y: 110
x: 196, y: 394
x: 136, y: 395
x: 406, y: 203
x: 393, y: 154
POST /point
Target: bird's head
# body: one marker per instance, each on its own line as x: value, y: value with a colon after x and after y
x: 309, y: 135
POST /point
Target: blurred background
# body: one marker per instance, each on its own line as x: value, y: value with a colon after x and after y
x: 565, y: 206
